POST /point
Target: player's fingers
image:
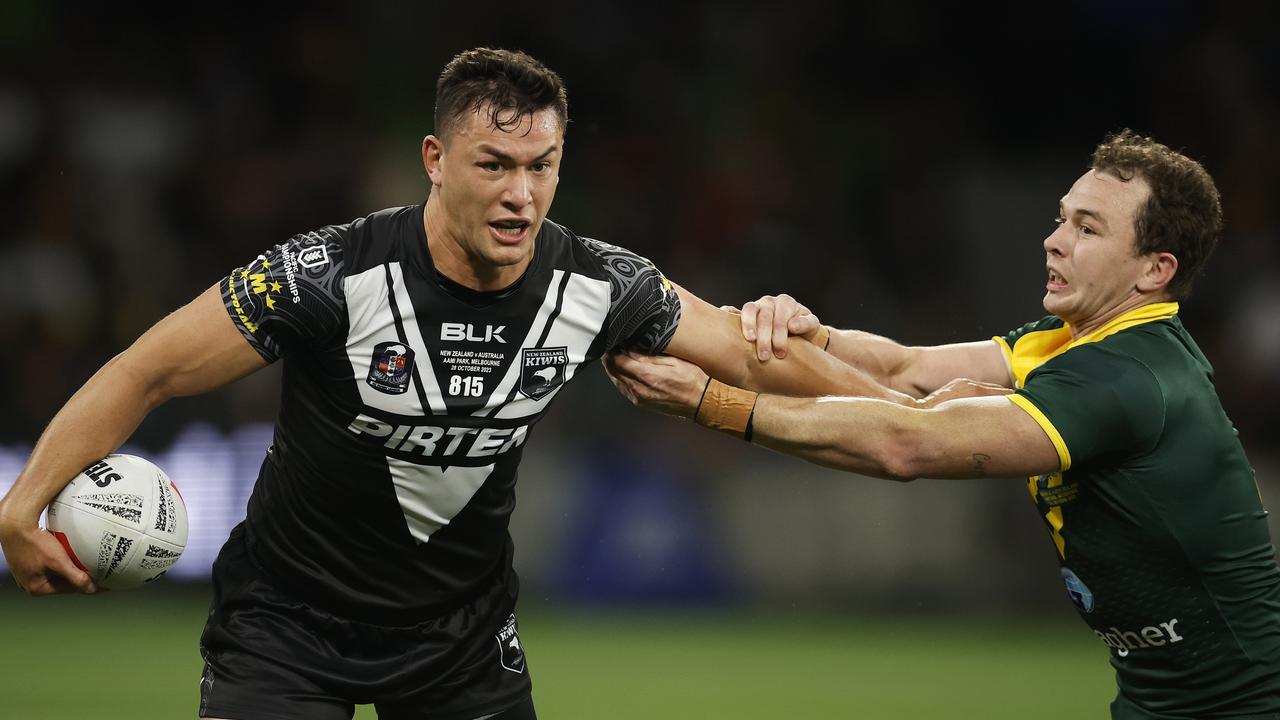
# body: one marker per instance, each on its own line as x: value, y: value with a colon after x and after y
x: 81, y: 581
x: 58, y: 563
x: 731, y: 309
x: 749, y: 312
x: 803, y: 324
x: 621, y: 383
x: 617, y: 376
x: 633, y: 361
x: 620, y: 369
x: 59, y: 586
x: 64, y: 584
x: 41, y: 588
x: 781, y: 316
x: 764, y: 332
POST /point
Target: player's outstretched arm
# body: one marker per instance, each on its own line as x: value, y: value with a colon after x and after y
x: 193, y: 350
x: 916, y: 371
x: 712, y: 339
x: 964, y: 438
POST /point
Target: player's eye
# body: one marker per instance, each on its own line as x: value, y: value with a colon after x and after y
x: 1059, y: 220
x: 1086, y: 230
x: 541, y: 167
x: 489, y: 165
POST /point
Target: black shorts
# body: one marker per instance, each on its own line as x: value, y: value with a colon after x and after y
x: 270, y: 656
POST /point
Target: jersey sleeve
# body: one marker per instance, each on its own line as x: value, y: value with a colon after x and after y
x: 290, y: 296
x: 1048, y: 322
x: 1009, y: 339
x: 644, y: 309
x: 1092, y: 403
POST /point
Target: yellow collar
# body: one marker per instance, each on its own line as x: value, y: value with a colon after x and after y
x: 1036, y: 348
x: 1136, y: 316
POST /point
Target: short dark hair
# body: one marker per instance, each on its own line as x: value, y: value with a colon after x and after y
x: 508, y: 84
x: 1183, y: 215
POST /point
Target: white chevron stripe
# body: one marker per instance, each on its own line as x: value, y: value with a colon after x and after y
x: 503, y: 388
x: 409, y: 316
x: 430, y: 497
x: 582, y: 313
x: 370, y: 323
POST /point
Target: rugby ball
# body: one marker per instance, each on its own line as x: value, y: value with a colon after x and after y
x: 122, y: 521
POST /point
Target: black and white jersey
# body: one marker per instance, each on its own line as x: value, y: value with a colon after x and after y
x: 407, y: 400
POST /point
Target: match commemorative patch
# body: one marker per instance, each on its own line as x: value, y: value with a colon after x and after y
x: 510, y: 652
x: 391, y: 368
x: 542, y: 370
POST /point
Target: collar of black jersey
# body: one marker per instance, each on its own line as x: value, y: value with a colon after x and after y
x: 420, y: 258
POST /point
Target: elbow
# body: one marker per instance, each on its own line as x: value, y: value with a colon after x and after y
x: 887, y: 450
x: 902, y: 456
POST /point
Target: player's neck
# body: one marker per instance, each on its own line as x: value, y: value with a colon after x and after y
x: 1129, y: 304
x: 452, y: 259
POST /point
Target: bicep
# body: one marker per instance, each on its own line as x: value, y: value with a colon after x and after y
x: 197, y: 348
x: 981, y: 437
x: 933, y: 367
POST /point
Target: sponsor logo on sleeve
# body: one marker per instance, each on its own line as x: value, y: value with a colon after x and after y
x: 1151, y: 636
x: 245, y: 287
x: 390, y: 368
x: 542, y: 370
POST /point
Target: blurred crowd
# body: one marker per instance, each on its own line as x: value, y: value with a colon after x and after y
x: 894, y: 165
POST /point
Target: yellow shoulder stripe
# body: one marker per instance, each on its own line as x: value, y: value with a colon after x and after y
x: 1064, y: 454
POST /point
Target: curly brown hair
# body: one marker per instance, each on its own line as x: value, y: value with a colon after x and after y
x: 1182, y: 216
x: 507, y: 84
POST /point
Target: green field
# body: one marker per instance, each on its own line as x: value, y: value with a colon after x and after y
x: 133, y: 655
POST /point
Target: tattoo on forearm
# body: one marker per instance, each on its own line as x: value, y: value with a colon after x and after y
x: 980, y: 464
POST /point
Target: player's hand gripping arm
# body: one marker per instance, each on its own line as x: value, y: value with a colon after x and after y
x: 972, y: 437
x: 194, y: 350
x: 712, y: 339
x: 916, y: 371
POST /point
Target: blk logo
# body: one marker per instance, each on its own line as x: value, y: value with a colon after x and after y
x: 459, y: 332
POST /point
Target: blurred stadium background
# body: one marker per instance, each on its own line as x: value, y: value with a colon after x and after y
x: 894, y: 165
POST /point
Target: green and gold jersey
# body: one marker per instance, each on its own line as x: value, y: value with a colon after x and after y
x: 1155, y: 514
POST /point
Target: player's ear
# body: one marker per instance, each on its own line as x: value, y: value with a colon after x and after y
x: 432, y: 157
x: 1157, y: 272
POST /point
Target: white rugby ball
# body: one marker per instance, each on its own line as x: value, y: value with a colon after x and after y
x: 122, y: 521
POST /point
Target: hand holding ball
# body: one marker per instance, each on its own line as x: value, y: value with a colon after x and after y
x: 122, y: 521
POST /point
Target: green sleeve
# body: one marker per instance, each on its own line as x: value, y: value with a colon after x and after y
x: 1093, y: 403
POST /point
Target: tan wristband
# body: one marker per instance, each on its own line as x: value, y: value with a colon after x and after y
x: 726, y: 408
x: 821, y: 338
